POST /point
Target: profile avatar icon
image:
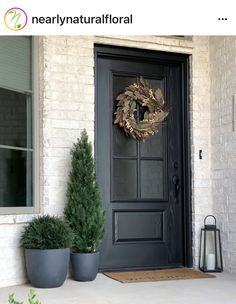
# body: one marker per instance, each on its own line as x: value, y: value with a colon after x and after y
x: 15, y: 19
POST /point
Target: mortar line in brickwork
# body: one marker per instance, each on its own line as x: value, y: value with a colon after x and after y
x: 233, y: 112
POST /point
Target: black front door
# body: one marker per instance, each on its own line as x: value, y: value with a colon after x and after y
x: 143, y: 183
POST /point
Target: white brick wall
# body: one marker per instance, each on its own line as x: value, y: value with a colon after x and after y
x: 67, y: 106
x: 67, y: 76
x: 223, y: 142
x: 11, y: 257
x: 200, y: 121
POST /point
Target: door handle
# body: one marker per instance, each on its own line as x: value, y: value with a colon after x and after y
x: 175, y: 181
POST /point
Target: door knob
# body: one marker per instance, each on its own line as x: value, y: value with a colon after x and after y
x: 175, y: 181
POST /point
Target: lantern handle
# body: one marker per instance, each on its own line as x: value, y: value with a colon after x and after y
x: 210, y: 215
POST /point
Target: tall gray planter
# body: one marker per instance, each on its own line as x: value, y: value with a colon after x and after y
x: 47, y: 268
x: 85, y: 266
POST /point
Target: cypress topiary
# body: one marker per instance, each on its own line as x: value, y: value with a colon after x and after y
x: 84, y: 211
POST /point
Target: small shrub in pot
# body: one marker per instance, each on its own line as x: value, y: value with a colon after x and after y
x: 47, y: 241
x: 84, y: 211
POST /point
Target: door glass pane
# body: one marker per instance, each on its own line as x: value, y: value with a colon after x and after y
x: 152, y: 175
x: 121, y: 82
x: 13, y: 119
x: 123, y: 145
x: 15, y: 178
x: 153, y: 146
x: 125, y: 179
x: 157, y: 84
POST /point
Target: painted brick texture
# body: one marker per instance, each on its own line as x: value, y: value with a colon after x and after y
x: 68, y: 107
x: 200, y: 138
x: 223, y: 142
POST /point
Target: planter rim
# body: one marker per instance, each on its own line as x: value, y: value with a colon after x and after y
x: 95, y: 252
x: 37, y: 249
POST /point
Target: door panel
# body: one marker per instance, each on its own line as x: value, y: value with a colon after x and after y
x: 144, y: 227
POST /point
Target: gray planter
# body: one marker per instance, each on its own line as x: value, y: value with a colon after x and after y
x: 47, y: 268
x: 85, y: 266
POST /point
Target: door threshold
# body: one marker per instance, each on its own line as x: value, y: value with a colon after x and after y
x: 138, y: 268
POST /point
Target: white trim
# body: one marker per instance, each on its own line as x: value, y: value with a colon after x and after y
x: 35, y: 134
x: 17, y: 211
x: 16, y: 90
x: 36, y: 125
x: 15, y: 148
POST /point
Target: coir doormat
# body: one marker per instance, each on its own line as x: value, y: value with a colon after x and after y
x: 158, y: 275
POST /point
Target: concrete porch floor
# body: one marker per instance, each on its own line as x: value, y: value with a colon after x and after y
x: 104, y: 290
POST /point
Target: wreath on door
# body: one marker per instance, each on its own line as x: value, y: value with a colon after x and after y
x: 138, y: 98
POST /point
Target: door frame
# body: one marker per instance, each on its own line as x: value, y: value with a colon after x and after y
x: 160, y: 57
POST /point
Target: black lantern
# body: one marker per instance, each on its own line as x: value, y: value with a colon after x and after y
x: 210, y: 255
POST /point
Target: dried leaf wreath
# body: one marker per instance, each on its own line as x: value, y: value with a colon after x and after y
x: 151, y: 101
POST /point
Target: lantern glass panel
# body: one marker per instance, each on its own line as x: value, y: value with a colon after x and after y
x: 219, y: 265
x: 201, y: 253
x: 210, y: 251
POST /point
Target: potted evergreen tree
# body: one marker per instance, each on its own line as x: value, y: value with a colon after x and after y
x: 47, y: 241
x: 84, y: 211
